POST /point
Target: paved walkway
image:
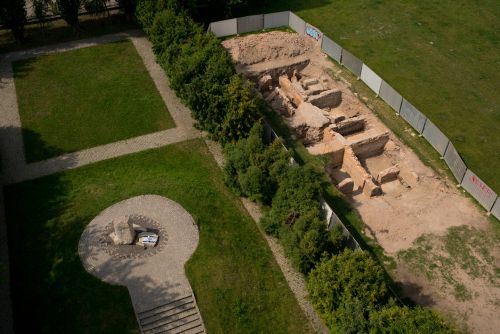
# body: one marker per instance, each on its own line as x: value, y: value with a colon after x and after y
x: 15, y: 168
x: 155, y: 280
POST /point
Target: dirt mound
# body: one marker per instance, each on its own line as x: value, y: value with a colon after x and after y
x: 258, y: 48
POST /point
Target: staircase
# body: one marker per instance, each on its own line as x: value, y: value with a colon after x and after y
x: 175, y: 317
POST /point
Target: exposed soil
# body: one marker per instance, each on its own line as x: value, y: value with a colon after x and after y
x: 415, y: 202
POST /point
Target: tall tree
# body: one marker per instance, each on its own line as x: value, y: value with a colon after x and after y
x: 69, y: 12
x: 13, y: 16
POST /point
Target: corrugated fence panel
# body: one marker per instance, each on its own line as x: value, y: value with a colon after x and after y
x: 455, y: 162
x: 250, y: 23
x: 413, y: 116
x: 496, y: 209
x: 276, y: 20
x: 297, y: 24
x: 435, y: 137
x: 332, y: 49
x: 479, y: 190
x: 371, y: 79
x: 224, y: 28
x: 390, y: 96
x: 351, y: 62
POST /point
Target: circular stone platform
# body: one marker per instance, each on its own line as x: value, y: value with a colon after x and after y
x: 153, y: 276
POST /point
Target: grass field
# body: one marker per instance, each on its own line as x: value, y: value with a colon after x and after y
x: 238, y: 285
x: 84, y: 98
x: 442, y: 56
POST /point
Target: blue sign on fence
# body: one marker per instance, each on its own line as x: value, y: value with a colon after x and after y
x: 313, y: 32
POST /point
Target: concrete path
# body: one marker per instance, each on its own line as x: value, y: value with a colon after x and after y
x: 15, y: 168
x: 155, y: 280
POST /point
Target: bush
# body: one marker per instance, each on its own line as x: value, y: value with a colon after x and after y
x: 405, y: 320
x: 348, y: 275
x: 249, y: 165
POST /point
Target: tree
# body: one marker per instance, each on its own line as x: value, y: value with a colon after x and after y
x: 13, y: 16
x: 128, y: 7
x: 68, y: 9
x: 349, y: 274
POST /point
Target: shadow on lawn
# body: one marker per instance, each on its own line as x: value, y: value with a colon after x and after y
x: 50, y: 289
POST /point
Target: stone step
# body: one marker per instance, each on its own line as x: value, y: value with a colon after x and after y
x: 180, y: 317
x: 184, y: 301
x: 191, y: 326
x: 168, y: 312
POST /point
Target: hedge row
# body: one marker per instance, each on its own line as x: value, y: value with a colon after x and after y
x: 200, y: 71
x: 347, y: 288
x: 291, y: 193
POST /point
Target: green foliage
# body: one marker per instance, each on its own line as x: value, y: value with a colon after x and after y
x: 404, y: 320
x: 68, y: 9
x: 353, y: 275
x: 13, y: 16
x: 200, y: 71
x: 249, y: 165
x: 241, y: 111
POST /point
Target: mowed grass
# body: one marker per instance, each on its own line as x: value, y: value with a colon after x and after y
x: 443, y: 56
x: 238, y: 285
x: 85, y: 98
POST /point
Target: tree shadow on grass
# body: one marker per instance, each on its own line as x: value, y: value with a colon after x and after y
x: 50, y: 289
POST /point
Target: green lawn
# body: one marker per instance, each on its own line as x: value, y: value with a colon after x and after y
x: 84, y: 98
x: 443, y: 56
x: 238, y: 285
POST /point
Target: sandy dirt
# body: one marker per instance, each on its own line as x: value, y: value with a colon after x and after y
x: 418, y: 202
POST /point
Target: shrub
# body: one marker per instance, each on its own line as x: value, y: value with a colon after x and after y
x: 404, y: 320
x: 349, y: 274
x: 249, y: 161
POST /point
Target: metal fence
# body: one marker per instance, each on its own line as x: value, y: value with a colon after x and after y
x: 276, y: 20
x: 351, y: 62
x: 435, y: 137
x: 332, y: 220
x: 250, y: 23
x: 413, y: 116
x: 297, y: 24
x: 477, y: 188
x: 455, y: 163
x: 332, y: 49
x: 390, y: 96
x: 371, y: 79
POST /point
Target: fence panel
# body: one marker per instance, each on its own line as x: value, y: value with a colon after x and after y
x: 390, y: 96
x: 496, y: 208
x: 224, y: 28
x: 455, y: 162
x: 297, y: 24
x: 371, y: 79
x: 413, y: 116
x: 276, y: 20
x: 351, y: 62
x: 327, y: 211
x: 332, y: 49
x: 435, y: 137
x: 314, y: 33
x: 250, y: 23
x: 479, y: 190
